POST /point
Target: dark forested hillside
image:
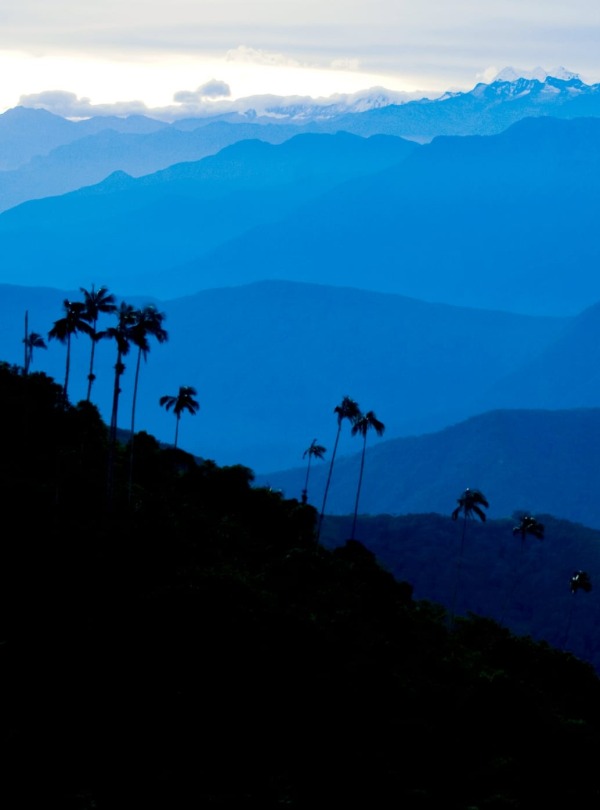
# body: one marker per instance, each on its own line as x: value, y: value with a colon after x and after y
x: 183, y: 641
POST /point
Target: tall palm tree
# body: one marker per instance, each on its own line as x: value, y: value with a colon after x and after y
x: 313, y: 451
x: 121, y: 334
x: 183, y: 401
x: 96, y: 302
x: 361, y: 426
x: 471, y: 504
x: 72, y: 322
x: 31, y: 341
x: 580, y: 581
x: 147, y: 323
x: 528, y: 525
x: 347, y: 409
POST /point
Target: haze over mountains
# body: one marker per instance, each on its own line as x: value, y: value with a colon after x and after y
x: 431, y: 281
x: 490, y: 222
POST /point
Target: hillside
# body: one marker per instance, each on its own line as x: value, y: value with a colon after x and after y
x: 192, y: 646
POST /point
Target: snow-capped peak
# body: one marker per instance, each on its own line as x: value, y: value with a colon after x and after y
x: 511, y: 74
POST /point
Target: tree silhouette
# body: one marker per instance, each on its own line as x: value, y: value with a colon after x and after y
x: 147, y: 323
x: 183, y: 401
x: 96, y: 302
x: 313, y: 451
x: 580, y: 581
x: 32, y: 340
x: 471, y: 504
x: 70, y: 324
x: 122, y: 337
x: 361, y: 426
x: 527, y: 525
x: 347, y: 409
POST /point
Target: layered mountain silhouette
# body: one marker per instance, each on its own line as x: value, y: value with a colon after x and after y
x: 496, y: 222
x: 132, y: 233
x: 271, y: 361
x: 42, y: 154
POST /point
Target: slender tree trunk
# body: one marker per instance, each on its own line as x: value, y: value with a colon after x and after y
x: 305, y: 490
x: 68, y: 368
x: 26, y: 345
x: 112, y: 441
x: 458, y: 572
x: 322, y: 515
x: 115, y: 403
x: 135, y: 388
x: 91, y: 376
x: 360, y: 477
x: 176, y: 430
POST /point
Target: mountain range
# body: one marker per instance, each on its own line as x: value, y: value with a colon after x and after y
x: 43, y: 154
x: 532, y: 461
x: 271, y: 360
x: 434, y: 282
x: 492, y: 222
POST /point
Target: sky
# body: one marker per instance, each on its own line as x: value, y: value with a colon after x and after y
x: 79, y: 57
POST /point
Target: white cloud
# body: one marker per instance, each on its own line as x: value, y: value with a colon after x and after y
x: 211, y: 89
x: 69, y: 105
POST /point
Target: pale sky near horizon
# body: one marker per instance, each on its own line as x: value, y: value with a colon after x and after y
x: 136, y: 55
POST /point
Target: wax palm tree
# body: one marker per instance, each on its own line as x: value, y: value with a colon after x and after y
x: 121, y: 334
x: 347, y: 409
x: 31, y: 341
x: 183, y: 401
x: 313, y: 451
x: 70, y: 324
x: 147, y: 323
x: 96, y: 302
x: 471, y: 504
x: 580, y: 581
x: 528, y: 525
x: 360, y: 427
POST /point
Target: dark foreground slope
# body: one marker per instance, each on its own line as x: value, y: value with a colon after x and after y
x: 191, y: 646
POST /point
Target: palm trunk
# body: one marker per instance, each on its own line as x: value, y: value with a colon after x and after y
x: 135, y: 388
x: 176, y: 430
x: 119, y: 368
x: 305, y: 490
x: 67, y: 369
x: 321, y: 516
x: 458, y: 572
x: 25, y: 343
x: 91, y: 376
x: 360, y: 477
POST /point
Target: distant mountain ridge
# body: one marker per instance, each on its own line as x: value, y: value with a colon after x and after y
x: 271, y: 360
x: 530, y: 460
x: 43, y: 154
x: 444, y: 221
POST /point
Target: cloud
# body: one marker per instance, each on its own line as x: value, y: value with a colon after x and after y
x: 69, y: 105
x: 211, y: 89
